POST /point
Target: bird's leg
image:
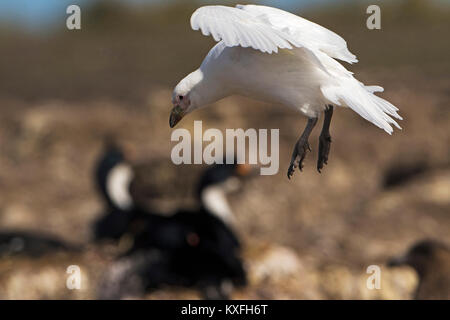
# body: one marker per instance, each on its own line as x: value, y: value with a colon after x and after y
x: 302, y: 145
x: 325, y: 138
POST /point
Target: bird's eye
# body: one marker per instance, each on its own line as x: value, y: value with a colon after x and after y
x: 180, y: 97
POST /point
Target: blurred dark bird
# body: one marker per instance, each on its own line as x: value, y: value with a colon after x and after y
x: 187, y: 245
x: 112, y: 173
x: 189, y: 249
x: 431, y: 260
x: 113, y: 176
x: 274, y: 56
x: 149, y: 184
x: 403, y: 172
x: 200, y: 250
x: 128, y: 189
x: 31, y: 244
x: 146, y: 186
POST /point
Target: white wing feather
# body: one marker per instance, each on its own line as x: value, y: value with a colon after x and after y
x: 349, y: 92
x: 353, y: 94
x: 237, y: 27
x: 311, y: 34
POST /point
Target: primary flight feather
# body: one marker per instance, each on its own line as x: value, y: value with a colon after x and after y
x: 275, y: 56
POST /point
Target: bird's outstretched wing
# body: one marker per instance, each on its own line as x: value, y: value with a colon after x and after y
x: 267, y: 29
x: 309, y: 33
x: 237, y: 27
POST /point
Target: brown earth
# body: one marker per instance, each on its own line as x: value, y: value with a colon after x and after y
x: 328, y: 227
x: 309, y: 238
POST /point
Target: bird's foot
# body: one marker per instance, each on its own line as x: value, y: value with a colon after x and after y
x: 298, y: 155
x: 324, y: 150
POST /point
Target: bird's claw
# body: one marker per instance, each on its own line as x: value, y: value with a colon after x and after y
x: 324, y: 150
x: 297, y: 157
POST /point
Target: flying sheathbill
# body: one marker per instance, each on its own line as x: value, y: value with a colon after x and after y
x: 275, y: 56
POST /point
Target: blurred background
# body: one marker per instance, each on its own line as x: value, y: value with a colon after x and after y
x: 64, y: 92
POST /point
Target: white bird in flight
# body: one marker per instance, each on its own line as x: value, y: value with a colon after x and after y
x: 275, y: 56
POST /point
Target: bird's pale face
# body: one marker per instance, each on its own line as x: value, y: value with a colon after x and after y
x: 181, y: 107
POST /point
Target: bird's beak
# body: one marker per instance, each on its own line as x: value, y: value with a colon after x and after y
x: 176, y: 115
x: 246, y: 170
x: 243, y: 170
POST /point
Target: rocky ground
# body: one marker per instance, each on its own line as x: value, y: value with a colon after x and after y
x: 309, y: 238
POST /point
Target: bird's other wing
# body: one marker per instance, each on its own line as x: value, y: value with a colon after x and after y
x: 310, y: 34
x: 237, y: 27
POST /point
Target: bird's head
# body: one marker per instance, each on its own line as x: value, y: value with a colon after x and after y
x: 196, y: 90
x: 181, y: 106
x: 185, y: 97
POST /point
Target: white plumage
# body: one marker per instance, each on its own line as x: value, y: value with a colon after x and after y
x: 278, y: 57
x: 118, y: 186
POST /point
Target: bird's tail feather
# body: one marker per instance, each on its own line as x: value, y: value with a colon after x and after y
x: 362, y: 100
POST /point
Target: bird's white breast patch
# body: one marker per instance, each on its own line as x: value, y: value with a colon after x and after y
x: 118, y: 186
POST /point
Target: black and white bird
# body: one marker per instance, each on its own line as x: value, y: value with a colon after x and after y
x: 113, y: 176
x: 431, y: 260
x: 192, y: 245
x: 187, y: 249
x: 129, y: 190
x: 275, y: 56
